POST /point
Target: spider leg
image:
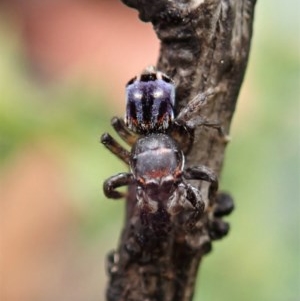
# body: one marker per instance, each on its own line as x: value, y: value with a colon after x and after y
x: 194, y: 197
x: 114, y: 182
x: 203, y: 173
x: 199, y: 121
x: 111, y: 144
x: 183, y: 135
x: 192, y: 108
x: 189, y: 115
x: 187, y: 205
x: 119, y: 125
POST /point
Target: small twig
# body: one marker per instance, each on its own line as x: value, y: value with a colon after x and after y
x: 204, y: 44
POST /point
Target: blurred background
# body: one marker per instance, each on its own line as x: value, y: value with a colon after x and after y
x: 63, y: 68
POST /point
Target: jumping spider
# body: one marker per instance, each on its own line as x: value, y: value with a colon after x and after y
x: 158, y: 142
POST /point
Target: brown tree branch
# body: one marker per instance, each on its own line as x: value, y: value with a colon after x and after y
x: 204, y: 44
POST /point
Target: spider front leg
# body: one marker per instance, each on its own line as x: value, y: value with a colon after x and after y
x: 193, y: 195
x: 114, y: 182
x: 120, y: 127
x: 203, y: 173
x: 111, y: 144
x: 186, y: 205
x: 217, y: 228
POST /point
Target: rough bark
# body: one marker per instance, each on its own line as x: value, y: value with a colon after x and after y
x: 204, y: 44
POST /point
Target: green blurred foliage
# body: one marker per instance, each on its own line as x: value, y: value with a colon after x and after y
x: 259, y: 260
x: 68, y: 116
